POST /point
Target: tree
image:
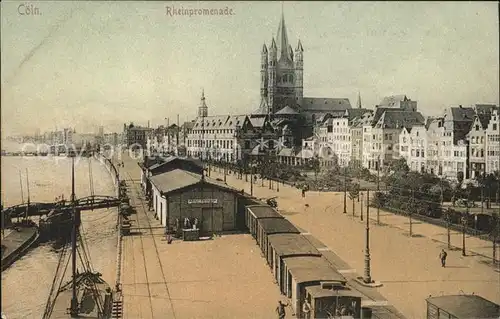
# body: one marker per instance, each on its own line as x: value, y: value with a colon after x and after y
x: 315, y: 165
x: 354, y: 194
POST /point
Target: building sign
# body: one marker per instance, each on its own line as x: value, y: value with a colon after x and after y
x: 202, y: 201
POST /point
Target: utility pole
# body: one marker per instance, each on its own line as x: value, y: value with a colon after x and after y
x: 367, y: 277
x: 378, y: 190
x: 345, y: 190
x: 361, y: 207
x: 464, y: 224
x: 412, y: 205
x: 251, y: 180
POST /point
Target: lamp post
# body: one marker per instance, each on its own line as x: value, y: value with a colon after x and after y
x: 251, y: 180
x: 367, y: 277
x: 378, y: 188
x: 361, y: 206
x: 345, y: 190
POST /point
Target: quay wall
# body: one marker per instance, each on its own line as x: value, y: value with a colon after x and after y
x: 115, y: 176
x: 17, y: 250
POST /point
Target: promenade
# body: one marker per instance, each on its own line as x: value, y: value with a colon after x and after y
x: 408, y: 267
x: 221, y: 278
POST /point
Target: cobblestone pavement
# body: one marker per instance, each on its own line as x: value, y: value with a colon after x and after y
x: 408, y: 267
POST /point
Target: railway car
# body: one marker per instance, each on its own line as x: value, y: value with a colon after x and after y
x: 461, y: 307
x: 270, y: 226
x: 255, y: 212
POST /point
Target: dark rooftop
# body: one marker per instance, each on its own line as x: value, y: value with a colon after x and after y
x: 466, y: 306
x: 287, y: 245
x: 178, y: 179
x: 311, y: 269
x: 277, y: 226
x: 263, y: 211
x: 318, y: 292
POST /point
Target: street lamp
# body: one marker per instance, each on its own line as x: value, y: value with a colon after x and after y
x: 251, y: 179
x: 361, y: 207
x: 378, y: 189
x: 345, y: 190
x: 367, y: 277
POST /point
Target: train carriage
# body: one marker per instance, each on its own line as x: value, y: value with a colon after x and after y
x: 255, y: 212
x: 335, y: 301
x: 287, y: 245
x: 270, y: 226
x: 301, y: 272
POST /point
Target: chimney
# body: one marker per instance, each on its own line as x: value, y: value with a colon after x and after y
x: 148, y: 124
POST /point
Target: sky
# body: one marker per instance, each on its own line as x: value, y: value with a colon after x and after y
x: 87, y: 64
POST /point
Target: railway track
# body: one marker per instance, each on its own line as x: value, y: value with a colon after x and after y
x: 145, y: 224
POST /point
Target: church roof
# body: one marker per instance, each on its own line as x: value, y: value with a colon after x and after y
x: 287, y: 111
x: 325, y: 104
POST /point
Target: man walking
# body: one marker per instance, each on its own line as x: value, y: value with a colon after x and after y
x: 443, y: 256
x: 281, y: 310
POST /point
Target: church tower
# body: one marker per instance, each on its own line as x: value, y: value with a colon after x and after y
x: 299, y: 73
x: 263, y: 72
x: 271, y: 83
x: 203, y: 108
x: 281, y: 82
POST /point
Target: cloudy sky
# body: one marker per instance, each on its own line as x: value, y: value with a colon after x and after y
x: 85, y: 64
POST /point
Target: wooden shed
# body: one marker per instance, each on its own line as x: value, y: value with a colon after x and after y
x: 287, y: 245
x: 337, y: 301
x: 270, y: 226
x: 461, y: 307
x: 255, y: 212
x: 302, y: 272
x: 180, y: 194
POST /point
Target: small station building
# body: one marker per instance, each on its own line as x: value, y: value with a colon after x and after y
x: 178, y: 194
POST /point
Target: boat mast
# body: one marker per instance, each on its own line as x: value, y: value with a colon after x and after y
x: 74, y: 301
x: 21, y: 183
x: 28, y: 189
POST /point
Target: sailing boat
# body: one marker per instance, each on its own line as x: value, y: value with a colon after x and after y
x: 86, y: 295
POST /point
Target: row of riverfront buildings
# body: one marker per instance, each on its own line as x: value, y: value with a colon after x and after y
x: 294, y: 129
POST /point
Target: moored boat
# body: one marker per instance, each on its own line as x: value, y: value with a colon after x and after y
x: 86, y: 294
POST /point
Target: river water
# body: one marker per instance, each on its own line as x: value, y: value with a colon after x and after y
x: 26, y: 284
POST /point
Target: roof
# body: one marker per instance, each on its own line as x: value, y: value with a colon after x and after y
x: 286, y: 152
x: 318, y: 292
x: 485, y: 108
x: 171, y: 159
x: 310, y: 269
x: 400, y: 119
x: 466, y: 306
x: 151, y: 161
x: 287, y: 245
x: 287, y: 111
x: 325, y: 104
x: 393, y: 100
x: 257, y: 121
x: 178, y: 179
x: 220, y: 122
x: 263, y: 211
x: 277, y: 225
x: 459, y: 114
x: 174, y: 180
x: 305, y: 153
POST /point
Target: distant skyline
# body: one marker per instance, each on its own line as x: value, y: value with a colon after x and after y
x: 86, y: 64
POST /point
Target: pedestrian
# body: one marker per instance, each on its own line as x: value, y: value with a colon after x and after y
x: 281, y: 310
x: 306, y: 309
x: 443, y: 256
x: 303, y: 192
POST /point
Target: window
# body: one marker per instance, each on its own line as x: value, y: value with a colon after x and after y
x: 477, y: 127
